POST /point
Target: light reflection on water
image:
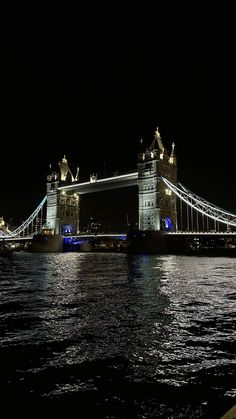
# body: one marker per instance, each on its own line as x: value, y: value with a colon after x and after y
x: 85, y: 319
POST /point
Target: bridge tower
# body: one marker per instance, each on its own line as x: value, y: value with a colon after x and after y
x: 157, y: 204
x: 62, y: 206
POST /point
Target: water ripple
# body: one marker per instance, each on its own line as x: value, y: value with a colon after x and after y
x: 136, y: 336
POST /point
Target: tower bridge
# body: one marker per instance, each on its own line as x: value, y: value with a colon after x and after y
x: 164, y: 205
x: 156, y: 203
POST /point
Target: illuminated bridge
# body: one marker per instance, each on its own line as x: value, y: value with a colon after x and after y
x: 99, y: 185
x: 164, y: 205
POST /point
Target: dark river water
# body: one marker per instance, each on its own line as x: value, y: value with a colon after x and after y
x: 118, y: 336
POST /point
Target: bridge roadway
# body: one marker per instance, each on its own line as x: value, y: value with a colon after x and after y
x: 122, y: 236
x: 203, y: 233
x: 180, y: 233
x: 85, y: 236
x: 16, y: 239
x: 114, y: 182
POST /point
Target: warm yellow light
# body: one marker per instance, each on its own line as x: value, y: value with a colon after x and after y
x: 157, y: 134
x: 168, y: 191
x: 93, y: 178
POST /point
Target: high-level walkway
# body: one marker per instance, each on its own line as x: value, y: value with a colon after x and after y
x: 113, y: 182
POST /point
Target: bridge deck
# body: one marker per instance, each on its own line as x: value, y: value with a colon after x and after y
x: 123, y: 235
x: 203, y: 233
x: 114, y: 182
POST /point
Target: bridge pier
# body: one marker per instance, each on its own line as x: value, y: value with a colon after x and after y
x: 46, y: 243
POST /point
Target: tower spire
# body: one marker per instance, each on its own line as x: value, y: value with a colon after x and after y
x: 157, y: 139
x: 172, y: 156
x: 77, y: 174
x: 65, y: 170
x: 157, y: 134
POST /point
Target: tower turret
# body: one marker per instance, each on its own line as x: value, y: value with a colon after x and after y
x: 52, y: 220
x: 66, y: 174
x: 172, y: 158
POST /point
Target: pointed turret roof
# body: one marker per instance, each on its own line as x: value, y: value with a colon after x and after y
x: 65, y: 170
x: 157, y: 143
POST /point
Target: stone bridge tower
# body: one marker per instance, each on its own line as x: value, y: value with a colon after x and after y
x: 157, y: 204
x: 62, y: 207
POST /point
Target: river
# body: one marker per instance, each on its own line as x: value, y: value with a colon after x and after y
x: 117, y: 335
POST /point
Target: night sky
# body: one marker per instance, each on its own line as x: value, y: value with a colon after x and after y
x: 90, y: 87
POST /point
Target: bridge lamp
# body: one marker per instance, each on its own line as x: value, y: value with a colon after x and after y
x: 63, y: 193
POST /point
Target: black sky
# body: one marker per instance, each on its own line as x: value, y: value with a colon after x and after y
x: 89, y: 86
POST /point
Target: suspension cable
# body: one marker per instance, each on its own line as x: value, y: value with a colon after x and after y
x: 201, y: 205
x: 25, y: 225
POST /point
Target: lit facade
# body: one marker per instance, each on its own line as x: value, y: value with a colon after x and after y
x: 62, y: 207
x: 157, y: 204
